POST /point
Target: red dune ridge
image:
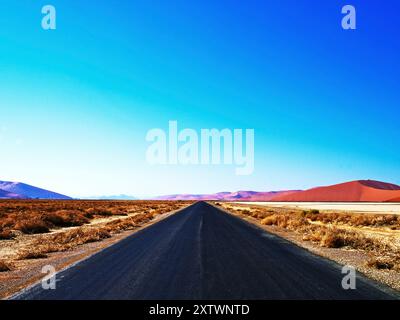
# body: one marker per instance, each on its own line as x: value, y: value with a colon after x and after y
x: 354, y: 191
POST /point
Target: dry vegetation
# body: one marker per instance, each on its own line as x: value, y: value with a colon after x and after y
x: 33, y: 217
x: 377, y: 234
x: 32, y: 229
x: 4, y: 266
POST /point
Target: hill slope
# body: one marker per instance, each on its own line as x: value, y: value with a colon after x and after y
x: 354, y: 191
x: 28, y: 191
x: 8, y: 195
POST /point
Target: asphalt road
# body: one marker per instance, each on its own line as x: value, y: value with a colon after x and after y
x: 204, y: 253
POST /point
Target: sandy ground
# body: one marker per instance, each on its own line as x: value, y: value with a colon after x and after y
x: 392, y: 208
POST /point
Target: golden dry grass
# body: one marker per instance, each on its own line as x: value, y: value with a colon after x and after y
x: 334, y: 230
x: 32, y: 254
x: 388, y: 263
x: 4, y: 266
x: 64, y: 241
x: 28, y: 225
x: 6, y: 235
x: 40, y: 216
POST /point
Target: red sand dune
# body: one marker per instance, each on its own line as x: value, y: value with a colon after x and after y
x: 394, y: 200
x: 360, y: 190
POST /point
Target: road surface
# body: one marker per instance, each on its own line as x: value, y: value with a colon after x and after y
x: 204, y: 253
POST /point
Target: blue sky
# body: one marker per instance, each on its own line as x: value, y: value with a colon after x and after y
x: 76, y: 103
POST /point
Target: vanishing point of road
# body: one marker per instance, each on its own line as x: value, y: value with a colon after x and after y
x: 202, y: 253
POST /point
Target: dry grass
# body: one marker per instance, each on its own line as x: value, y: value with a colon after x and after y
x: 356, y: 219
x: 40, y: 216
x: 67, y: 218
x: 129, y: 223
x: 4, y: 267
x: 69, y: 239
x: 7, y: 235
x: 36, y: 233
x: 335, y: 230
x: 29, y: 225
x: 102, y: 212
x: 61, y: 242
x: 33, y: 254
x: 386, y: 262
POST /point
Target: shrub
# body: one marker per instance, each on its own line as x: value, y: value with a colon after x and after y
x: 37, y: 254
x: 129, y: 223
x: 6, y: 235
x: 270, y: 220
x: 4, y: 267
x: 314, y: 235
x: 79, y: 236
x: 380, y: 264
x: 66, y: 218
x: 118, y: 212
x: 32, y: 226
x: 99, y: 212
x: 333, y: 239
x: 6, y: 222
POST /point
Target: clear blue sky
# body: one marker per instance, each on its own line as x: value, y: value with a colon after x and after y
x: 76, y: 102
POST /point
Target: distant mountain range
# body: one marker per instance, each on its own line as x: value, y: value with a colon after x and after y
x: 18, y: 190
x: 113, y: 197
x: 353, y: 191
x: 229, y: 196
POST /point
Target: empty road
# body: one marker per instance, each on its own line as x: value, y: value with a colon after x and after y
x: 204, y: 253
